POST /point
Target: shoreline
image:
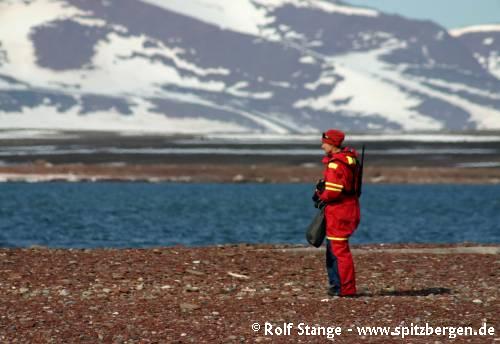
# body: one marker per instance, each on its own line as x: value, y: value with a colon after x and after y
x: 42, y: 171
x: 104, y: 156
x: 215, y: 294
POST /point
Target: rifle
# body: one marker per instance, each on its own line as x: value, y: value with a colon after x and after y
x: 360, y: 173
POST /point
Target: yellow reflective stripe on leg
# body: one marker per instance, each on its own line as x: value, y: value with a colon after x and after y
x: 340, y: 186
x: 337, y: 238
x: 333, y: 189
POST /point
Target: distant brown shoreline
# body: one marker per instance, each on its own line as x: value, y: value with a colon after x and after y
x: 240, y: 173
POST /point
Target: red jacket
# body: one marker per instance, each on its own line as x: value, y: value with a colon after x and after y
x: 342, y: 212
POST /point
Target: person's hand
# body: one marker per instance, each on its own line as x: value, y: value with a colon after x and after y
x: 318, y: 203
x: 315, y: 197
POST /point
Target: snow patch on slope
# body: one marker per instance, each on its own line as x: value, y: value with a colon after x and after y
x: 143, y: 76
x: 474, y: 29
x: 490, y: 62
x: 456, y: 87
x: 363, y: 92
x: 18, y: 19
x: 237, y: 90
x: 249, y: 16
x: 236, y: 15
x: 141, y: 121
x: 323, y: 5
x: 494, y: 65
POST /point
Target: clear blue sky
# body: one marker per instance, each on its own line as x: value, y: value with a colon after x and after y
x: 447, y: 13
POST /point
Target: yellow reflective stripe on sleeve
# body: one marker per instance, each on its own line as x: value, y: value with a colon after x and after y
x: 333, y: 189
x: 336, y: 238
x: 340, y: 186
x: 350, y: 160
x: 332, y: 165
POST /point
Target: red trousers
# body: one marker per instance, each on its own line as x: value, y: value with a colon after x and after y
x: 340, y: 267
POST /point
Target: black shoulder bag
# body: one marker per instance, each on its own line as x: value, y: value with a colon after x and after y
x: 316, y: 231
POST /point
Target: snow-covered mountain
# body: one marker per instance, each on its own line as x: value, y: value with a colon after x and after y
x: 239, y: 66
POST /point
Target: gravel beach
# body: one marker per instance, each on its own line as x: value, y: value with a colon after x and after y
x: 215, y: 294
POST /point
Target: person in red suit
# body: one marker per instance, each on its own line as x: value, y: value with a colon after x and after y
x: 338, y: 192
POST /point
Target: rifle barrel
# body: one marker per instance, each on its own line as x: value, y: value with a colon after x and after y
x: 360, y: 181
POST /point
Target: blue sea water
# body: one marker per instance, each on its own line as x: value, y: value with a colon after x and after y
x: 89, y: 215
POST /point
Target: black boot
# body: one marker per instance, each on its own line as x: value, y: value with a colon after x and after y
x: 333, y: 291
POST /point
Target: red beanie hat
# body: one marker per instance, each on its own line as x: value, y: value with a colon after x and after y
x: 333, y: 137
